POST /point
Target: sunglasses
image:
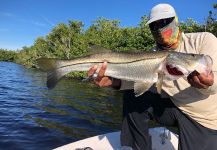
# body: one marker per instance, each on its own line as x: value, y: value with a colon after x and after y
x: 156, y: 25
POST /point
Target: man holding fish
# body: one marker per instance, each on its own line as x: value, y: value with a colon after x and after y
x: 175, y: 84
x: 187, y: 103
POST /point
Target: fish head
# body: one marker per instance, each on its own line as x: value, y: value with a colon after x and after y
x: 182, y: 64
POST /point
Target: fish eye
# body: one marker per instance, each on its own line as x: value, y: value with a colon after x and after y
x: 193, y: 55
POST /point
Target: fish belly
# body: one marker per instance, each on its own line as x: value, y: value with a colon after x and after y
x: 145, y: 70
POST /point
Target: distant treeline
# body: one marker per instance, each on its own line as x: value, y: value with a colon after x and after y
x: 7, y: 55
x: 70, y: 40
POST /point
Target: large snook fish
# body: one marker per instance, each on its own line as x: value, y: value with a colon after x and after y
x: 144, y: 68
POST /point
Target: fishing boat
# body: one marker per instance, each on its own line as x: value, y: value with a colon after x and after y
x: 162, y: 139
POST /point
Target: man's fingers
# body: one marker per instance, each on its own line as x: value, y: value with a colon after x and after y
x: 92, y: 70
x: 106, y: 81
x: 195, y: 82
x: 102, y: 71
x: 198, y: 83
x: 207, y: 80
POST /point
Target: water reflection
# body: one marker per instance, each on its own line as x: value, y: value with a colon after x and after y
x: 33, y: 117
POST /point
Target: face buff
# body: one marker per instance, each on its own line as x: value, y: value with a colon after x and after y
x: 168, y: 37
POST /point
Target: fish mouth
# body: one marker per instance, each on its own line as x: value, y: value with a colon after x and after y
x: 175, y: 70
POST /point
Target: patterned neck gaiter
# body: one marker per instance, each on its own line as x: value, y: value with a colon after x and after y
x: 169, y: 36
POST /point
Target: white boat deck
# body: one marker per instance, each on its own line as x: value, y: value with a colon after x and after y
x: 162, y: 139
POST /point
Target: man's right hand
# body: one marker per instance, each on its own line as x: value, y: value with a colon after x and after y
x: 104, y: 81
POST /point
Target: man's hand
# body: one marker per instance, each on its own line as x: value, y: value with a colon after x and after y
x: 201, y: 81
x: 101, y: 80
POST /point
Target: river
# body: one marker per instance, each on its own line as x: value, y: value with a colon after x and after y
x: 33, y: 117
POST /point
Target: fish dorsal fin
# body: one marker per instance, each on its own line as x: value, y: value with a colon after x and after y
x: 159, y: 82
x: 95, y: 49
x: 141, y: 87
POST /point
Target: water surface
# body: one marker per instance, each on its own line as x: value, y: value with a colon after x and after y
x: 33, y: 117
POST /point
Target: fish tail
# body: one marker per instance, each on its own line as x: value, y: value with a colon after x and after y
x: 54, y: 68
x: 53, y: 77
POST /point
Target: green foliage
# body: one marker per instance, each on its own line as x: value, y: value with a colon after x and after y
x: 67, y: 41
x: 148, y: 41
x: 77, y: 75
x: 108, y: 34
x: 7, y: 55
x: 211, y: 23
x: 191, y: 26
x: 25, y: 57
x: 105, y: 33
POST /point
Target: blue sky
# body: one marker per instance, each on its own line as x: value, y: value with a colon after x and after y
x: 22, y: 21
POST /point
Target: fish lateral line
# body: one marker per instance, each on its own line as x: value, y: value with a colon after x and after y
x: 110, y: 62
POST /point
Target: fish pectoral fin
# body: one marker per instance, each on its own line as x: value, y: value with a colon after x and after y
x: 159, y: 82
x: 141, y: 87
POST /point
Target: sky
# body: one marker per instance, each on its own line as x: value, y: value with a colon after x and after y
x: 23, y: 21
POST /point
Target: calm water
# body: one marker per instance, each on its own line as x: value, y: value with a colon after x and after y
x: 33, y: 117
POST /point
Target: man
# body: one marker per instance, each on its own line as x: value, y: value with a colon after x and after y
x: 189, y: 104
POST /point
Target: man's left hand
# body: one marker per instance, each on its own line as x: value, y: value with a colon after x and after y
x: 201, y: 81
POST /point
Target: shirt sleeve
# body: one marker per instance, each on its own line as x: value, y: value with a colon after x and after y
x: 209, y: 47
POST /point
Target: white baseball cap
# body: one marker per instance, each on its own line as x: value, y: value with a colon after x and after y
x: 161, y: 11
